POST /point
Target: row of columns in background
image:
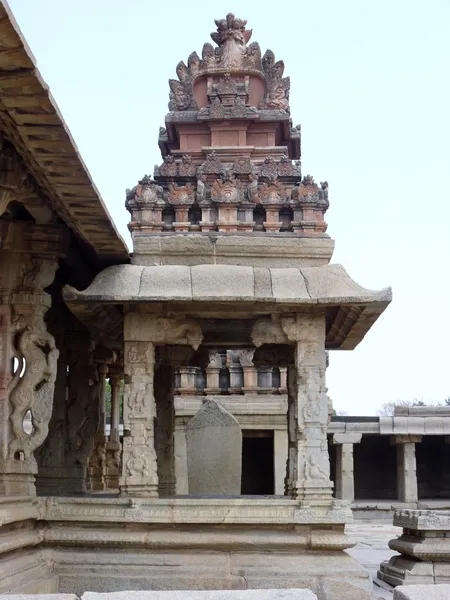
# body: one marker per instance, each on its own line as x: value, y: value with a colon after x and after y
x: 231, y: 378
x: 406, y: 466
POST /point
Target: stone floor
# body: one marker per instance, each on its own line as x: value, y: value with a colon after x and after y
x: 372, y: 548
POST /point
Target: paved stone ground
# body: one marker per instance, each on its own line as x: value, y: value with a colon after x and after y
x: 372, y: 548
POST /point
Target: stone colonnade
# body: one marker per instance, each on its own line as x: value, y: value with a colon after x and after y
x: 407, y: 490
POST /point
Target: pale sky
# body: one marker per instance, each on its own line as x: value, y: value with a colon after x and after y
x: 370, y: 86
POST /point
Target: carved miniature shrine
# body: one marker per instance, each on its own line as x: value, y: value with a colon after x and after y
x: 219, y: 327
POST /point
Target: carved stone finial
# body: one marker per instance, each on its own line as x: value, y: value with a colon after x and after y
x: 307, y: 192
x: 169, y: 167
x: 146, y: 194
x: 231, y: 29
x: 212, y: 165
x: 187, y: 168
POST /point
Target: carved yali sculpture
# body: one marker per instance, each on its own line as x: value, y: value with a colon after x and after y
x: 33, y: 391
x: 277, y: 86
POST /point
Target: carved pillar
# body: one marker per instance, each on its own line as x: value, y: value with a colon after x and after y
x: 345, y: 483
x: 83, y: 410
x: 139, y: 467
x: 96, y: 480
x: 142, y: 332
x: 113, y: 445
x: 309, y: 410
x: 50, y: 456
x: 32, y: 385
x: 406, y: 467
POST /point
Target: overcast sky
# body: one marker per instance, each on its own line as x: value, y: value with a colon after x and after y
x: 369, y: 85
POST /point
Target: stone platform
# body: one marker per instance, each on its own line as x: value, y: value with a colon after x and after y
x: 178, y: 543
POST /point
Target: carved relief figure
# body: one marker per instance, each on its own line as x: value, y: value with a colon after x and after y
x: 273, y: 193
x: 313, y: 470
x: 34, y: 390
x: 181, y: 195
x: 227, y: 189
x: 137, y: 464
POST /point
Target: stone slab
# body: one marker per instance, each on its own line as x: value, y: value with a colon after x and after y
x: 422, y: 592
x: 214, y: 449
x: 289, y: 594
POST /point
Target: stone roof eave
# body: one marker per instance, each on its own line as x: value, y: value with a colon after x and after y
x: 31, y: 120
x: 351, y: 309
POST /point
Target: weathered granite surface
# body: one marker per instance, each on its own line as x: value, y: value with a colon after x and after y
x: 214, y: 448
x: 326, y: 284
x: 422, y: 592
x: 424, y: 548
x: 291, y: 594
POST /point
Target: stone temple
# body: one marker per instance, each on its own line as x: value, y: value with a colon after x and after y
x: 216, y: 475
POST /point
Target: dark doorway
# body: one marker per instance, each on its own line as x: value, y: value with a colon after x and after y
x: 432, y: 467
x: 257, y: 463
x: 375, y: 468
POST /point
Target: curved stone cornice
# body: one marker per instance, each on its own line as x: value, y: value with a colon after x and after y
x: 351, y: 309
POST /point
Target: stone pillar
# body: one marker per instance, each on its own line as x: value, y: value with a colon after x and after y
x: 82, y: 409
x: 213, y: 372
x: 139, y: 467
x: 97, y: 462
x: 280, y: 446
x: 50, y: 480
x: 142, y: 332
x: 180, y: 452
x: 113, y: 445
x: 406, y: 467
x: 235, y: 370
x: 283, y: 380
x: 249, y: 370
x: 188, y: 377
x: 265, y: 384
x: 309, y: 413
x: 164, y: 429
x: 31, y: 385
x: 345, y: 484
x: 115, y: 380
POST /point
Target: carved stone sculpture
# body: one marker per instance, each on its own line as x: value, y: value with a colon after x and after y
x: 273, y: 193
x: 187, y: 168
x: 277, y: 86
x: 232, y: 38
x: 212, y: 165
x: 181, y: 195
x: 227, y: 189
